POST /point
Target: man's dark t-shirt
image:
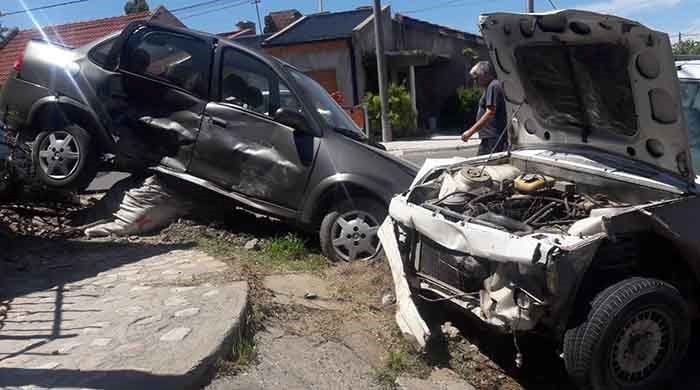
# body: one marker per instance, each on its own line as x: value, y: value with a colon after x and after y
x: 493, y: 97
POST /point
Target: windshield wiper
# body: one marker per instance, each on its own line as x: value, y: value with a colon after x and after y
x: 351, y: 133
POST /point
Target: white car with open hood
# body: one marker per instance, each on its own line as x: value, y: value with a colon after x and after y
x: 586, y: 230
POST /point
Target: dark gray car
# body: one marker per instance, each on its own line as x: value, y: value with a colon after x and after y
x: 209, y: 112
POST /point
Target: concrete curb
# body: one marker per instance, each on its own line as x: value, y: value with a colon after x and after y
x: 202, y: 374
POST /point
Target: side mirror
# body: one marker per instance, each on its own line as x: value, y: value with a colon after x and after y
x: 293, y: 119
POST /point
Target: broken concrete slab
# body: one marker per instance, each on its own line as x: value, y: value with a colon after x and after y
x: 299, y: 363
x: 142, y: 321
x: 302, y: 289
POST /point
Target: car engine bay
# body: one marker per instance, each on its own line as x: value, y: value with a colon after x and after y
x: 506, y: 198
x: 493, y: 238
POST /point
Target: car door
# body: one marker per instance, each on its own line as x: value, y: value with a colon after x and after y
x: 241, y: 148
x: 165, y: 78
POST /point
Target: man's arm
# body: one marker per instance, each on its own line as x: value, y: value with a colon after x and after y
x: 480, y: 124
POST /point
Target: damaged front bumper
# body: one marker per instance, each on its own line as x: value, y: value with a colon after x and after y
x: 524, y: 280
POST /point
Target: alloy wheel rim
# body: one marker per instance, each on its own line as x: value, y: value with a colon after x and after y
x: 355, y: 236
x: 59, y: 155
x: 641, y: 346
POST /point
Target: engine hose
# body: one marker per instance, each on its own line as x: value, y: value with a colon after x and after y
x: 506, y: 222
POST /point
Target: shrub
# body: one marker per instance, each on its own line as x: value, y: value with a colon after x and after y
x: 459, y: 110
x: 401, y: 115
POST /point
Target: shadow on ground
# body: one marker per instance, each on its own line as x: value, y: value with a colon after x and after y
x: 112, y: 379
x: 543, y: 369
x: 31, y: 264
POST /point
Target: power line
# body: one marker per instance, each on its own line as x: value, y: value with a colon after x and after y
x: 42, y: 7
x: 445, y: 4
x: 196, y: 5
x: 215, y: 9
x: 551, y: 2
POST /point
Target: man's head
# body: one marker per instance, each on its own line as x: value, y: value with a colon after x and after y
x: 482, y: 73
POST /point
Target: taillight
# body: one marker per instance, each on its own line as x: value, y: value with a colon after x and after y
x: 18, y: 62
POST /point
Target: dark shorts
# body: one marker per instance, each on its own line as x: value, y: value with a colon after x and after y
x: 488, y: 145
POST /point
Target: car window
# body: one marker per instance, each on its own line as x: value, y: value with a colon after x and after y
x: 100, y: 53
x: 173, y: 58
x: 333, y: 115
x: 249, y: 83
x: 690, y: 94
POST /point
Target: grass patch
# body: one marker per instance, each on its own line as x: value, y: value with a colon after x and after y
x: 244, y: 352
x: 290, y: 247
x: 280, y: 254
x: 400, y: 362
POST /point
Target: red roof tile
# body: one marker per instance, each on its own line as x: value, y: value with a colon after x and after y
x: 71, y: 34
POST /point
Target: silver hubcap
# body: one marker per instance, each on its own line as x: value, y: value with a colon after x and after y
x: 641, y: 346
x: 355, y: 236
x: 59, y: 155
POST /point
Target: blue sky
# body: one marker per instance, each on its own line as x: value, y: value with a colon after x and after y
x: 672, y: 16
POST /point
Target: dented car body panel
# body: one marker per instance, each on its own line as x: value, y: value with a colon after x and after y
x: 525, y: 239
x: 205, y: 110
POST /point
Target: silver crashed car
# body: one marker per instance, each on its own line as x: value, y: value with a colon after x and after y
x: 586, y: 230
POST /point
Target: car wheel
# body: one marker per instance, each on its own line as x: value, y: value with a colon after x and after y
x: 634, y: 338
x: 349, y: 231
x: 65, y: 158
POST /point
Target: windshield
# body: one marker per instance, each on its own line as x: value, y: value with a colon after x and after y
x: 333, y: 115
x: 690, y: 93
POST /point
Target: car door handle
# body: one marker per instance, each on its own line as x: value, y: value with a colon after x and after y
x: 219, y: 121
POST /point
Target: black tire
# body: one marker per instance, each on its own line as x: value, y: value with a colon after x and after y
x: 78, y: 172
x: 616, y: 348
x: 365, y: 234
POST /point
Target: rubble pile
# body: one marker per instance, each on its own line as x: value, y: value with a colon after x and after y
x: 39, y: 219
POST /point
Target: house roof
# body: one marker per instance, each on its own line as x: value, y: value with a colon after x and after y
x: 71, y: 34
x: 442, y: 30
x: 320, y: 27
x: 282, y: 19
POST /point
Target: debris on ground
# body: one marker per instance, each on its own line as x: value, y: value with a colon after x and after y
x: 252, y: 245
x: 388, y: 299
x: 449, y: 331
x: 310, y: 295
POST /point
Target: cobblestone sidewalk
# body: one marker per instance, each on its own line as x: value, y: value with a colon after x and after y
x: 119, y: 316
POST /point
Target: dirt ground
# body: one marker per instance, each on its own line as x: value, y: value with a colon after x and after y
x: 344, y: 302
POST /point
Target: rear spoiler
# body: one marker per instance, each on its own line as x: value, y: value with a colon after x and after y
x: 54, y: 43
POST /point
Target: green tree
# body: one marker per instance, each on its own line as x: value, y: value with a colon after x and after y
x: 687, y: 46
x: 135, y: 6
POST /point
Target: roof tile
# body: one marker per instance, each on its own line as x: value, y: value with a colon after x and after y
x: 321, y: 27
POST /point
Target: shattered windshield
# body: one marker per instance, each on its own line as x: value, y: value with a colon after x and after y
x: 579, y: 88
x: 690, y: 93
x: 333, y: 115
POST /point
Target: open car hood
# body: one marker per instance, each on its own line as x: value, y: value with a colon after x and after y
x: 585, y: 80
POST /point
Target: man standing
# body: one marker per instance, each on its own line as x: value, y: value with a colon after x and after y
x: 491, y: 116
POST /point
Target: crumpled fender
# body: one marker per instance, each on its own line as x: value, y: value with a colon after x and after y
x: 407, y: 316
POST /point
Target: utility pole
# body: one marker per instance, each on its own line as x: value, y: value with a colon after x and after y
x: 680, y: 37
x: 320, y: 6
x: 257, y: 10
x: 530, y: 6
x: 381, y: 70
